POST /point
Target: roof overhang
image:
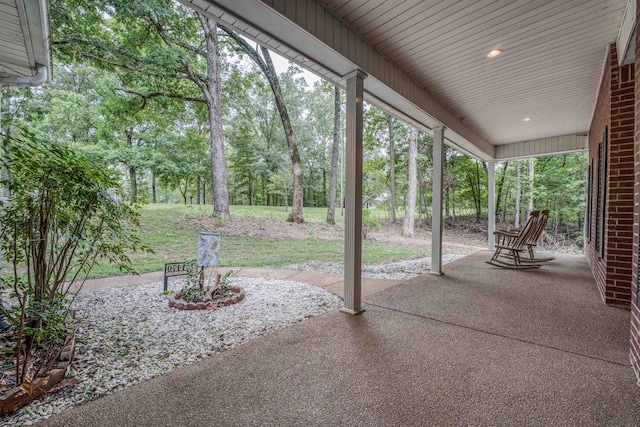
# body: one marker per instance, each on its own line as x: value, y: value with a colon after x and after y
x: 25, y: 52
x: 426, y: 62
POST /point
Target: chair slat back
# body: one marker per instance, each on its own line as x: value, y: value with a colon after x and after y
x: 540, y: 226
x: 526, y: 232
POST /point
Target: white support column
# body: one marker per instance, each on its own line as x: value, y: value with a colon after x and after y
x: 492, y: 204
x: 353, y: 212
x: 437, y: 179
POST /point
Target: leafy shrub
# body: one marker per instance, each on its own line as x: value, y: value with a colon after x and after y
x: 64, y: 214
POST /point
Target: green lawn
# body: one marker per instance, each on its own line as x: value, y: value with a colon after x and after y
x: 170, y: 230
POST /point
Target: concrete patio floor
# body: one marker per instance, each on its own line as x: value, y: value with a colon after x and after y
x: 477, y: 346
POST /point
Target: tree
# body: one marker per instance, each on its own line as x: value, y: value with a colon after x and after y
x: 518, y: 194
x: 503, y: 175
x: 337, y: 124
x: 392, y: 173
x: 157, y: 49
x: 265, y: 64
x: 410, y: 210
x: 532, y: 174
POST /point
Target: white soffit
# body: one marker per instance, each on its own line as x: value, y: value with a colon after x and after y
x: 549, y: 70
x: 543, y: 147
x: 24, y: 37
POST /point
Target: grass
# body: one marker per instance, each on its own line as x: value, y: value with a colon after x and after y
x: 170, y: 230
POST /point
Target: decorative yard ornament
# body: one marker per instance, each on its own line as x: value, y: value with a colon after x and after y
x: 208, y: 249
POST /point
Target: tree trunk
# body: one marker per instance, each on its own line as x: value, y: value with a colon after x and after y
x: 324, y: 187
x: 453, y: 202
x: 197, y: 190
x: 133, y: 182
x: 411, y: 196
x: 531, y: 169
x: 214, y: 96
x: 392, y: 173
x: 154, y: 198
x: 518, y: 193
x: 186, y: 188
x: 447, y: 197
x: 296, y: 214
x: 501, y: 186
x: 266, y: 65
x: 335, y: 150
x: 478, y: 200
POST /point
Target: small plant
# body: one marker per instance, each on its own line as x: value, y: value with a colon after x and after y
x: 222, y: 284
x: 195, y: 291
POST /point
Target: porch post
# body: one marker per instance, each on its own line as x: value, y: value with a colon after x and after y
x: 437, y: 179
x: 353, y: 211
x: 491, y: 215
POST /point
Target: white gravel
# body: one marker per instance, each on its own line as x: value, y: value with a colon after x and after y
x: 131, y: 335
x: 393, y: 270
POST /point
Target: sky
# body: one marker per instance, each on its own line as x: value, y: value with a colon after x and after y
x: 281, y: 64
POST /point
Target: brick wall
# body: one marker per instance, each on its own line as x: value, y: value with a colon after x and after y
x: 601, y: 119
x: 615, y: 111
x: 635, y: 312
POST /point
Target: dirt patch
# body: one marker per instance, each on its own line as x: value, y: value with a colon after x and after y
x: 270, y: 228
x: 458, y: 239
x: 462, y: 236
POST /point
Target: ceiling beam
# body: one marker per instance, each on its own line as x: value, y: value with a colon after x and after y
x: 625, y: 43
x: 543, y: 147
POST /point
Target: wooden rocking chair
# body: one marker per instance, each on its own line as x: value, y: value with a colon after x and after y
x: 535, y: 236
x: 513, y: 243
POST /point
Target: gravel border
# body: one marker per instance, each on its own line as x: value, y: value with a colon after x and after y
x: 402, y: 270
x: 128, y: 335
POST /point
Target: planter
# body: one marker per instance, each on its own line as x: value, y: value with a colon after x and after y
x: 237, y: 295
x: 18, y: 397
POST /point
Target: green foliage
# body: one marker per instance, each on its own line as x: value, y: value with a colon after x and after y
x: 63, y: 215
x: 369, y: 222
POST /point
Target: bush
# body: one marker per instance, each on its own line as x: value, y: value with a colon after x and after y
x: 64, y: 214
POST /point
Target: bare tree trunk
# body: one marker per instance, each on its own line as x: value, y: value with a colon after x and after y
x: 501, y: 186
x: 154, y: 198
x: 133, y: 182
x: 392, y: 173
x: 214, y: 96
x: 531, y: 167
x: 478, y: 199
x: 518, y: 193
x: 333, y: 182
x: 197, y: 190
x: 411, y: 196
x: 266, y: 65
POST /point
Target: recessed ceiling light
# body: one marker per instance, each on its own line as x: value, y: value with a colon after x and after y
x: 494, y: 53
x: 526, y: 119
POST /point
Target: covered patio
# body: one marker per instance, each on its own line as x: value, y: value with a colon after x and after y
x: 477, y: 346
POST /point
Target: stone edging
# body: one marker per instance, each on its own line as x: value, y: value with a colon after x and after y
x: 17, y: 397
x: 236, y: 297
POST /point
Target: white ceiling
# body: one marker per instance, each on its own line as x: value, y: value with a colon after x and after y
x: 24, y: 37
x: 550, y: 68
